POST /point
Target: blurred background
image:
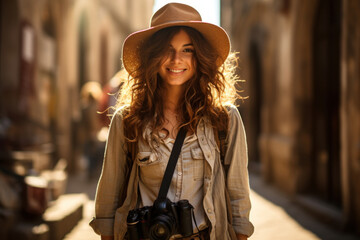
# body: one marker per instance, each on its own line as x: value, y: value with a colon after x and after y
x: 60, y: 63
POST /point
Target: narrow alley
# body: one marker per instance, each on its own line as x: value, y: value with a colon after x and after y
x: 297, y: 67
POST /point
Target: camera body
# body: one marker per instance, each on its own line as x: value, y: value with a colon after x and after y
x: 161, y: 221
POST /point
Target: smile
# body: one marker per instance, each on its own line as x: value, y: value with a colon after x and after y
x: 176, y: 70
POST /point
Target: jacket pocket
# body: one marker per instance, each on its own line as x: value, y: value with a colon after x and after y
x: 151, y: 168
x: 198, y: 163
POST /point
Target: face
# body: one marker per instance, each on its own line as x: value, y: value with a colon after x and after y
x: 177, y: 66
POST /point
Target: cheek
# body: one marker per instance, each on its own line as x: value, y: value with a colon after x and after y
x: 163, y: 63
x: 161, y: 73
x: 161, y: 67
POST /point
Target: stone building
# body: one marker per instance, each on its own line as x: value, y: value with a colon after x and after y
x: 301, y: 63
x: 49, y: 50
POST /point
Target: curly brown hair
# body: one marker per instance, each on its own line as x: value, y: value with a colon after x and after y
x: 206, y: 94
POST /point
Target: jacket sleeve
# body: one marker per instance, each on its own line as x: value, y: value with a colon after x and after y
x: 237, y: 181
x: 112, y: 178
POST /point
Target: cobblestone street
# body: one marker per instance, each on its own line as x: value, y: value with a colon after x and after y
x: 273, y: 215
x: 80, y: 183
x: 276, y: 217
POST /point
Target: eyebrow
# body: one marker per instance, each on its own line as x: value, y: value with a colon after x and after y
x: 185, y: 45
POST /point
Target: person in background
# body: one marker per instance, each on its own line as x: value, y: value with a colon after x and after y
x: 181, y: 75
x: 90, y: 126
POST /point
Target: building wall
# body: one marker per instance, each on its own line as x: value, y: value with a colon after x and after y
x: 41, y: 96
x: 350, y: 111
x: 300, y: 63
x: 9, y: 58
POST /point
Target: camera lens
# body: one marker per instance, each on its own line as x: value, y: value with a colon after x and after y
x: 160, y: 231
x: 163, y: 222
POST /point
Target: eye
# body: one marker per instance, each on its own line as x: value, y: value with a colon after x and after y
x: 188, y: 50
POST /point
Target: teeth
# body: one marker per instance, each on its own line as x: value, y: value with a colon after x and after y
x: 175, y: 71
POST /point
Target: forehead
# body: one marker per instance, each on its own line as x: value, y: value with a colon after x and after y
x: 180, y: 38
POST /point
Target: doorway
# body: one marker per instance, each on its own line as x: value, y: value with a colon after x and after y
x: 325, y: 167
x: 254, y: 102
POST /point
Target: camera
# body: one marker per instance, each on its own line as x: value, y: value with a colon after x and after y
x: 161, y: 221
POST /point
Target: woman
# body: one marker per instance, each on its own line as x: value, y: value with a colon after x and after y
x: 176, y: 79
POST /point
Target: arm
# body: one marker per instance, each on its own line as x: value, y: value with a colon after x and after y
x: 111, y: 182
x: 237, y: 181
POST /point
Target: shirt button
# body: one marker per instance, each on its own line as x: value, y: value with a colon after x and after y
x: 208, y: 155
x: 209, y: 210
x: 179, y: 173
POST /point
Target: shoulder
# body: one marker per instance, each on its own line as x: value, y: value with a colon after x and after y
x: 233, y: 112
x: 118, y: 115
x: 235, y: 121
x: 230, y: 107
x: 121, y: 112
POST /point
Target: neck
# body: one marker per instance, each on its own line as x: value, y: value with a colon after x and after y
x: 172, y: 98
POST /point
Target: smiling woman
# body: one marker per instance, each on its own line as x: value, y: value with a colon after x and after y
x: 179, y: 83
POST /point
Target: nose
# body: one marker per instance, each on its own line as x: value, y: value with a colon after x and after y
x: 175, y: 56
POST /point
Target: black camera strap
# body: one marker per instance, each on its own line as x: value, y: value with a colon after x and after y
x: 165, y: 184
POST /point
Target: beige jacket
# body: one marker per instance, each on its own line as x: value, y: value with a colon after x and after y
x: 111, y: 218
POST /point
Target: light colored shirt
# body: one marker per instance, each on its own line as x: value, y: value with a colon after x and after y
x: 188, y: 178
x: 111, y: 214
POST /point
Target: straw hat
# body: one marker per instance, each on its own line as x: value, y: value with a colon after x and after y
x: 175, y: 14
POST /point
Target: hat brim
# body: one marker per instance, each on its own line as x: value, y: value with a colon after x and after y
x: 214, y: 34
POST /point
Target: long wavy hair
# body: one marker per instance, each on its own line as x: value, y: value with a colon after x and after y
x: 206, y: 94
